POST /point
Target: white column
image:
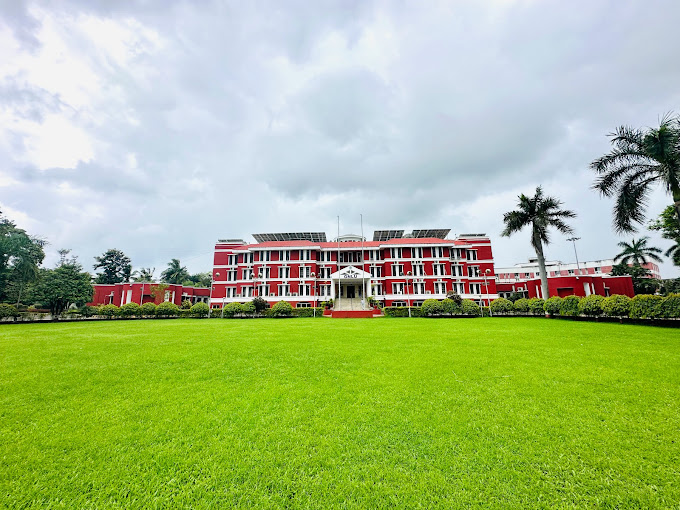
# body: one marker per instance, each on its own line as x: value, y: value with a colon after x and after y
x: 333, y: 290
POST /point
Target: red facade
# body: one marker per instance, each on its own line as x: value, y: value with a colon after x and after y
x: 570, y: 285
x: 397, y: 271
x: 121, y: 293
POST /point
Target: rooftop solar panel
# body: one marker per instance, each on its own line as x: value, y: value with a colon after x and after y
x: 437, y: 233
x: 314, y: 237
x: 386, y: 235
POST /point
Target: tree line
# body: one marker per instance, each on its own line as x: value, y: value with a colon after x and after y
x: 639, y: 160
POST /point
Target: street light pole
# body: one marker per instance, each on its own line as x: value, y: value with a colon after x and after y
x: 573, y: 240
x: 408, y: 294
x: 486, y: 284
x: 212, y: 279
x: 314, y: 293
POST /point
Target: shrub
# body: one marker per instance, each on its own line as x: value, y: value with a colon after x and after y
x: 646, y: 306
x: 232, y: 310
x: 167, y: 309
x: 108, y: 310
x: 260, y: 304
x: 455, y: 297
x: 431, y: 307
x: 249, y: 308
x: 282, y: 309
x: 450, y: 307
x: 522, y: 305
x: 129, y: 309
x: 148, y: 309
x: 88, y: 311
x: 553, y: 305
x: 671, y: 306
x: 537, y: 306
x: 307, y: 312
x: 8, y: 310
x: 401, y: 311
x: 469, y: 307
x: 200, y: 310
x: 186, y: 305
x: 616, y: 306
x: 501, y: 305
x: 569, y: 306
x: 591, y: 305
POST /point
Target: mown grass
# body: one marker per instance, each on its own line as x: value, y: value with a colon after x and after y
x: 339, y: 414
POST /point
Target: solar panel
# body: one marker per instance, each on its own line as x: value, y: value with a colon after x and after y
x: 437, y: 233
x: 386, y: 235
x: 314, y: 237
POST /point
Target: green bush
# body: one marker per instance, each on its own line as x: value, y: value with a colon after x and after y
x: 401, y: 311
x: 616, y: 306
x: 553, y: 305
x: 502, y: 306
x: 671, y: 306
x: 200, y: 310
x: 8, y: 310
x: 646, y: 306
x: 307, y: 312
x: 260, y: 304
x: 186, y: 305
x: 450, y: 307
x: 88, y: 311
x: 148, y: 309
x: 108, y: 310
x: 167, y: 309
x: 537, y: 306
x: 431, y: 307
x: 469, y: 307
x: 569, y: 306
x: 591, y: 305
x: 249, y: 308
x: 282, y: 309
x: 521, y: 305
x: 232, y: 310
x: 130, y: 310
x: 455, y: 297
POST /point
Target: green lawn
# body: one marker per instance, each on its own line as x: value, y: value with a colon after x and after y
x: 331, y: 413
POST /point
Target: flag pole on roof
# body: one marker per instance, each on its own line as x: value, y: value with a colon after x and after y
x: 363, y: 278
x: 338, y: 264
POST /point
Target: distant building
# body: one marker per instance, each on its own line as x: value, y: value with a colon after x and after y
x: 556, y: 268
x: 395, y: 269
x: 121, y: 293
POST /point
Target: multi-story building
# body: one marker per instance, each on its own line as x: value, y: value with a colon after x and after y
x: 395, y: 269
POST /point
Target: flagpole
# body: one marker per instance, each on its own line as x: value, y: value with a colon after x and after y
x: 363, y: 279
x: 338, y: 264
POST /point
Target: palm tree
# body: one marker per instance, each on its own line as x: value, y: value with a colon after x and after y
x: 539, y: 212
x: 639, y: 160
x: 176, y: 273
x: 637, y: 252
x: 145, y: 274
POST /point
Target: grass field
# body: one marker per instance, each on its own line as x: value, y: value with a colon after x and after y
x: 329, y: 413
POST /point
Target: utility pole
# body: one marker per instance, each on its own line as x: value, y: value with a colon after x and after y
x: 573, y: 240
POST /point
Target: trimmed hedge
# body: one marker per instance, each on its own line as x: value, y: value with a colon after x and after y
x: 232, y: 310
x: 591, y: 305
x: 167, y: 309
x: 645, y: 306
x: 616, y: 306
x: 148, y: 309
x: 501, y: 305
x: 553, y: 305
x: 108, y: 310
x: 469, y: 307
x: 7, y: 310
x: 451, y: 307
x: 537, y: 306
x: 199, y: 310
x: 671, y: 306
x: 307, y: 312
x: 569, y: 306
x: 431, y: 308
x: 281, y: 309
x: 130, y: 310
x: 401, y: 311
x: 521, y: 305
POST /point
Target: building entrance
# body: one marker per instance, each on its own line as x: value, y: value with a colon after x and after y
x: 350, y: 292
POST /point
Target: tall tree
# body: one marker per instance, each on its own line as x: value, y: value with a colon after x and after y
x: 116, y: 267
x: 145, y: 274
x: 670, y: 229
x: 176, y: 273
x: 63, y: 286
x: 637, y: 252
x: 639, y: 160
x: 20, y: 257
x: 540, y: 213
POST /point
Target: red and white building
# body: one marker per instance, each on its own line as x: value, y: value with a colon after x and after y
x: 305, y: 269
x: 583, y: 279
x: 143, y: 292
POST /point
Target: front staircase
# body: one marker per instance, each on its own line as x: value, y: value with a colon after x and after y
x: 345, y: 308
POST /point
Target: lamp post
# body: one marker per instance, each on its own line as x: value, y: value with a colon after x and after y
x: 408, y: 294
x: 212, y: 279
x: 486, y: 284
x: 573, y: 240
x: 313, y: 275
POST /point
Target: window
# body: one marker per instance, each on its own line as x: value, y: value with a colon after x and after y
x: 458, y: 288
x: 456, y: 270
x: 324, y: 290
x: 571, y: 271
x: 325, y: 256
x: 397, y: 288
x: 440, y: 287
x: 266, y: 255
x: 378, y: 289
x: 398, y: 303
x: 284, y: 272
x: 247, y: 291
x: 473, y: 271
x: 305, y: 290
x: 516, y: 276
x: 303, y: 305
x: 305, y: 255
x: 233, y: 259
x: 305, y: 271
x: 248, y: 273
x: 472, y: 254
x: 438, y: 252
x: 263, y: 290
x: 376, y: 271
x: 284, y: 290
x: 231, y: 275
x: 397, y: 270
x: 395, y: 253
x: 264, y: 272
x: 248, y: 258
x: 375, y: 255
x: 417, y: 253
x: 284, y: 254
x: 598, y: 269
x: 418, y: 269
x: 439, y: 269
x: 419, y: 288
x: 231, y: 292
x: 475, y: 288
x: 458, y: 254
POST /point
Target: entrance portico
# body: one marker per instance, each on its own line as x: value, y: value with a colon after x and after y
x: 350, y: 283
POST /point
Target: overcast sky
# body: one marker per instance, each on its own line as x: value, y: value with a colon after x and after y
x: 157, y: 127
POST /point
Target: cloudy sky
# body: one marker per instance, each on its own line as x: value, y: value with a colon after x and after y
x: 157, y: 127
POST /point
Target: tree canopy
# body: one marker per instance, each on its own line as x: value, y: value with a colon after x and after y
x: 670, y: 229
x: 637, y: 252
x: 63, y: 286
x: 175, y: 273
x: 20, y: 257
x: 116, y: 267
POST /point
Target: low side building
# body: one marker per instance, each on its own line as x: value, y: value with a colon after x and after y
x: 142, y: 292
x: 562, y: 286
